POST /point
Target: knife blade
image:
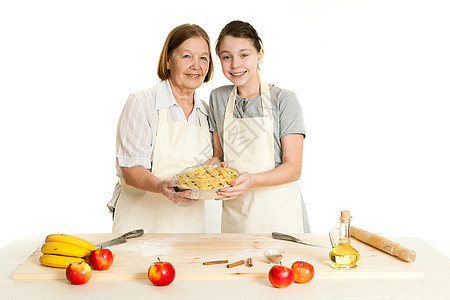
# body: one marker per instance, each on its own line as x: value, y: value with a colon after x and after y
x: 123, y: 238
x: 286, y: 237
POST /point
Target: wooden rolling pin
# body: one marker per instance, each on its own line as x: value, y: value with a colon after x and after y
x: 383, y: 244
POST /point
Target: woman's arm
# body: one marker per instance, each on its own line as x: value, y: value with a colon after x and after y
x: 288, y: 171
x: 141, y: 178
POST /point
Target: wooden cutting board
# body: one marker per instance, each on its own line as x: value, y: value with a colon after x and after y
x: 187, y: 252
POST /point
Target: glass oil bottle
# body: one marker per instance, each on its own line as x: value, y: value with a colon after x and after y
x: 343, y: 255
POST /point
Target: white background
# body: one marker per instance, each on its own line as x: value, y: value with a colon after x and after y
x: 372, y: 78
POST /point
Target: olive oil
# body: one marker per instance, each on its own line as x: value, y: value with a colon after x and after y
x: 343, y: 255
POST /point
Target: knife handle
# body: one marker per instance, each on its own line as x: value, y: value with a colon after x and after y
x: 133, y: 234
x: 285, y: 237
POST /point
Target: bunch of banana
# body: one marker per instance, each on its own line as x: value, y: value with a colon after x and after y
x: 59, y: 261
x: 70, y: 239
x: 60, y: 250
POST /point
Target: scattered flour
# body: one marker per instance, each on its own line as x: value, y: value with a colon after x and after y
x: 148, y: 248
x: 163, y: 247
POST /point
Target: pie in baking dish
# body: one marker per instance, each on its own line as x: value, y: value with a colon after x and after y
x: 206, y: 177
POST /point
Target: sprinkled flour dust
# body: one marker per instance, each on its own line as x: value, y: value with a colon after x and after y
x: 148, y: 248
x: 167, y: 246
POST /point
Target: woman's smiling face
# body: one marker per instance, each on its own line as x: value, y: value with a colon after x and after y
x: 240, y: 60
x: 189, y: 63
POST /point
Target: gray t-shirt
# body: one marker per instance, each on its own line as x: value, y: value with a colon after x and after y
x: 286, y: 110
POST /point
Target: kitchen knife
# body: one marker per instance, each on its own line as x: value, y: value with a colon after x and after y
x: 123, y: 238
x: 286, y: 237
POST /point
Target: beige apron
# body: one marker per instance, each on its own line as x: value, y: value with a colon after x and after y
x: 178, y: 146
x: 248, y: 145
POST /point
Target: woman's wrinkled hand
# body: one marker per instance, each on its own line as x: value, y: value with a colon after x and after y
x: 167, y: 188
x: 238, y: 187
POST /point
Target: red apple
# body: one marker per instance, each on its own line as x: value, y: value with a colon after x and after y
x: 303, y: 271
x: 161, y: 273
x: 78, y: 272
x: 101, y: 259
x: 280, y: 276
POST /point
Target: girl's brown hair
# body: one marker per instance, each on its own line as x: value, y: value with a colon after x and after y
x: 177, y: 37
x: 240, y: 29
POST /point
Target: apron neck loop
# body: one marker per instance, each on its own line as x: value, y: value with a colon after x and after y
x: 162, y: 116
x: 265, y: 98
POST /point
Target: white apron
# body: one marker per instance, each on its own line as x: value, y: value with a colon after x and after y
x: 178, y: 146
x: 248, y: 145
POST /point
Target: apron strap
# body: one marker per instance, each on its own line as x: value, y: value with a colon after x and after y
x: 202, y: 119
x: 162, y: 115
x: 230, y: 105
x: 265, y: 99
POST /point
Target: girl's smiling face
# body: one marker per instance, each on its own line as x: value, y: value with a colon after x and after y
x: 240, y: 60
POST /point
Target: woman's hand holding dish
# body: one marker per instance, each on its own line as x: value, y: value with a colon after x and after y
x: 238, y: 187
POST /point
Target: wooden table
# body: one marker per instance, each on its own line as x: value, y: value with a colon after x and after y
x: 378, y: 275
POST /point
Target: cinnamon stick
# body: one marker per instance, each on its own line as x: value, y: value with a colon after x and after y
x: 249, y: 262
x: 241, y: 262
x: 215, y: 262
x: 383, y: 244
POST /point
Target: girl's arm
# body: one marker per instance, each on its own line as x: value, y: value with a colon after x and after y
x: 288, y: 171
x: 217, y: 157
x: 291, y: 167
x: 141, y: 178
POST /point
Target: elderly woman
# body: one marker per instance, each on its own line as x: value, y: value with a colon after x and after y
x: 161, y: 131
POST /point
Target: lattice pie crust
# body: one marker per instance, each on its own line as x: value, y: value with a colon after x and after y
x: 206, y: 177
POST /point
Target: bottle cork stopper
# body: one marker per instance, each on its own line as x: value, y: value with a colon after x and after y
x: 345, y: 216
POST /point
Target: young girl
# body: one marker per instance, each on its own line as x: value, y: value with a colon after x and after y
x: 258, y: 130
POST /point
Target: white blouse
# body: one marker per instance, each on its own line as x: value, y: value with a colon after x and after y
x: 138, y: 123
